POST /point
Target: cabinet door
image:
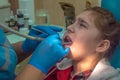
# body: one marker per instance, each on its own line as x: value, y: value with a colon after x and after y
x: 55, y: 11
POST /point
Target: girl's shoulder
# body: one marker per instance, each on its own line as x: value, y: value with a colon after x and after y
x: 104, y: 71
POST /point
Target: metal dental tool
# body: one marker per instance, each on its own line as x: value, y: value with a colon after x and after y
x: 24, y: 35
x: 20, y: 34
x: 38, y: 31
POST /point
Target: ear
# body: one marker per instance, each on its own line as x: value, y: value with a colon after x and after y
x: 103, y: 46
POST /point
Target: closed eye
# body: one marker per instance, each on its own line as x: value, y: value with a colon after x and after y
x: 82, y: 25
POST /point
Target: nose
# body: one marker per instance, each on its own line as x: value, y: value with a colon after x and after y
x: 70, y: 29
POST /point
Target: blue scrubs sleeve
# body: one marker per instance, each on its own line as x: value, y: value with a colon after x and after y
x: 8, y: 59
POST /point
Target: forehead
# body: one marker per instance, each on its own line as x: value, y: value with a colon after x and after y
x: 86, y: 15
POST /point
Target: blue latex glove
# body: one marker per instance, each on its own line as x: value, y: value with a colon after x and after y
x: 29, y: 45
x: 113, y: 7
x: 48, y: 53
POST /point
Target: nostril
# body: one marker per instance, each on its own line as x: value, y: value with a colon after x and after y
x: 69, y: 30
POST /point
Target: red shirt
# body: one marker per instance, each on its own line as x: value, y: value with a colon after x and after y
x: 66, y: 75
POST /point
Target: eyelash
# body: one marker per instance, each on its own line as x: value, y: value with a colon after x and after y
x: 82, y: 25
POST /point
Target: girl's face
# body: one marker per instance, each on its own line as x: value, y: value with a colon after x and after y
x: 82, y: 36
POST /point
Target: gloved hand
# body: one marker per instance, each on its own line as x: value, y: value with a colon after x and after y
x: 48, y: 53
x: 29, y: 45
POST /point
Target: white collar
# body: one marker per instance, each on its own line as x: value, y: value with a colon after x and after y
x: 64, y: 64
x: 103, y: 70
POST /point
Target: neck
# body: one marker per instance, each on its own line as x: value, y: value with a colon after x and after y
x: 85, y: 64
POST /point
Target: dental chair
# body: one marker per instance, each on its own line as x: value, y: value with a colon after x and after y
x: 113, y: 7
x: 115, y: 59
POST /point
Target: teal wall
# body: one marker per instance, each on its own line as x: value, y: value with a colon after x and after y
x: 114, y: 7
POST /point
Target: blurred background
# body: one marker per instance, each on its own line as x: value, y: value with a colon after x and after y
x: 31, y: 8
x: 22, y: 14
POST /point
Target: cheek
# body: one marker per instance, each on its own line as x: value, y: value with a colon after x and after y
x: 77, y: 51
x: 81, y: 47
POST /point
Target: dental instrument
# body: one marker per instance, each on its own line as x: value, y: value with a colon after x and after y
x: 20, y: 34
x: 38, y: 31
x: 61, y: 35
x: 24, y: 35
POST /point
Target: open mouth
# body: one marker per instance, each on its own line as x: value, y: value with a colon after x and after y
x: 67, y: 41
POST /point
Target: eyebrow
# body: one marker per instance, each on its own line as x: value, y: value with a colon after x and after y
x: 81, y: 20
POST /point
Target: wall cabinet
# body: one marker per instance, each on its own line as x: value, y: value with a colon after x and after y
x: 55, y: 11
